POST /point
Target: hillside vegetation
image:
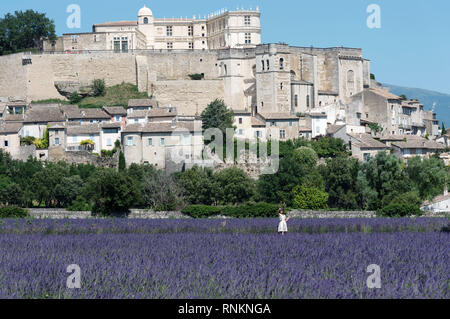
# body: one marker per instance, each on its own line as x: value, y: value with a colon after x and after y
x: 117, y: 95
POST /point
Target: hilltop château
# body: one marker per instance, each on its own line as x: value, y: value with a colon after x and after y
x: 276, y: 91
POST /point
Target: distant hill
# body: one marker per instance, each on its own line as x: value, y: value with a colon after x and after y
x: 427, y: 98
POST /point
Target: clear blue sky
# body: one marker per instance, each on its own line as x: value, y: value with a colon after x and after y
x: 412, y: 48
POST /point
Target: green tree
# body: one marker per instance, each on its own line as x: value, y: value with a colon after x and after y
x: 381, y: 176
x: 110, y: 192
x: 99, y: 87
x: 428, y: 176
x: 340, y: 175
x: 44, y: 182
x: 293, y: 171
x: 375, y: 128
x: 161, y: 192
x: 200, y: 186
x: 444, y: 131
x: 327, y: 147
x: 217, y: 115
x: 24, y: 30
x: 235, y: 185
x: 75, y: 98
x: 122, y: 164
x: 67, y: 190
x: 309, y: 198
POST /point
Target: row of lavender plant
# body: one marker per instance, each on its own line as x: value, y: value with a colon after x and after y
x: 194, y: 265
x: 124, y: 226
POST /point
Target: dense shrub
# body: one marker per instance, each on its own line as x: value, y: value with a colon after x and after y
x: 75, y: 98
x: 99, y: 87
x: 13, y: 212
x: 251, y: 211
x: 400, y: 210
x: 201, y: 211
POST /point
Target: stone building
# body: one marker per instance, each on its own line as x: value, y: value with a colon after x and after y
x: 160, y: 144
x: 222, y: 29
x: 364, y: 146
x: 10, y: 137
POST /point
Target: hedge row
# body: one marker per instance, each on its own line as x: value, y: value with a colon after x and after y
x: 13, y: 212
x: 245, y: 211
x: 400, y: 210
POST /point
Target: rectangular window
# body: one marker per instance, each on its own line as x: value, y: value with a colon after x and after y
x: 169, y: 45
x: 191, y: 45
x: 169, y: 30
x: 162, y: 141
x: 116, y: 44
x: 282, y: 134
x: 150, y: 142
x: 240, y: 120
x: 74, y: 139
x: 124, y: 44
x: 247, y: 20
x: 190, y: 30
x: 130, y: 141
x: 290, y: 123
x: 6, y: 143
x: 108, y: 142
x: 74, y: 39
x: 296, y: 100
x: 248, y: 38
x: 366, y: 157
x: 56, y: 140
x: 118, y: 118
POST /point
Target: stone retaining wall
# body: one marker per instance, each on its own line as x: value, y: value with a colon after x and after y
x: 146, y: 214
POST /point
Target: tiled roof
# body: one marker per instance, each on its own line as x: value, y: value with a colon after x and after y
x: 142, y: 102
x: 385, y: 94
x: 159, y: 127
x: 257, y: 122
x: 279, y: 116
x: 366, y: 141
x: 437, y: 199
x: 111, y: 125
x: 94, y: 113
x: 10, y: 127
x: 419, y: 143
x: 334, y: 128
x: 44, y: 113
x: 138, y: 114
x: 161, y: 113
x: 115, y: 110
x: 13, y: 117
x: 83, y: 129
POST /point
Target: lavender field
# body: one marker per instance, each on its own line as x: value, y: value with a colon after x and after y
x: 217, y: 259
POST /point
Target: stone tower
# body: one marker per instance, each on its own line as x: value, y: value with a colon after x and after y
x: 273, y: 79
x: 146, y: 25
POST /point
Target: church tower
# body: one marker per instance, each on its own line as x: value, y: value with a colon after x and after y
x: 273, y: 79
x: 146, y: 26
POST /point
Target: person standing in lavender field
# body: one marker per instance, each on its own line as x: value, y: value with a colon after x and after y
x: 282, y: 225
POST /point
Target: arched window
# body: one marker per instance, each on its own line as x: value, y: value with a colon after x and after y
x: 293, y: 75
x: 145, y: 20
x: 351, y: 79
x: 295, y: 100
x: 281, y: 64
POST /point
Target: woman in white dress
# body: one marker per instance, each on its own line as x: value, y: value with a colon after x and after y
x: 282, y: 226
